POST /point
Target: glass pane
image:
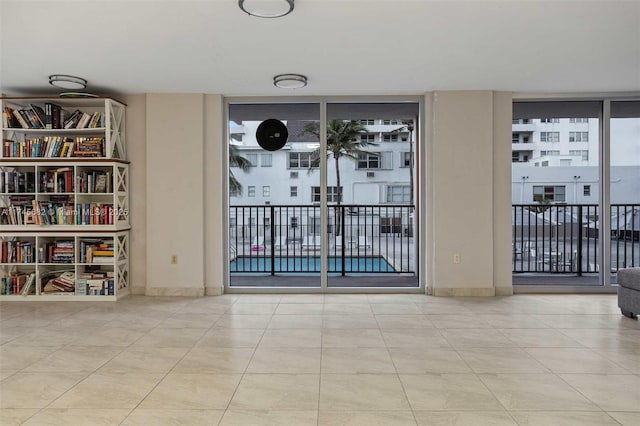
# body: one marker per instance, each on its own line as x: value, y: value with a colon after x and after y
x: 625, y: 186
x: 371, y: 194
x: 274, y: 210
x: 555, y: 181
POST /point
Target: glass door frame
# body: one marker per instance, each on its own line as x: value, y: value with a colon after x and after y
x: 419, y: 202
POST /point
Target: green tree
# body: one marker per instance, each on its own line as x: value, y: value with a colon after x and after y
x: 236, y: 160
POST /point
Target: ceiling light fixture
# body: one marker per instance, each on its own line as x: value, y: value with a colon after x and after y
x: 290, y: 81
x: 69, y: 82
x: 266, y: 8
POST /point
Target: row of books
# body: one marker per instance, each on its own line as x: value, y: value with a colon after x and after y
x: 96, y: 251
x: 52, y: 116
x: 56, y: 180
x: 55, y: 147
x: 18, y: 283
x: 59, y: 251
x: 52, y: 213
x: 17, y: 252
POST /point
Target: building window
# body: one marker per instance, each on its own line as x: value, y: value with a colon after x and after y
x: 549, y: 153
x: 390, y: 137
x: 300, y: 160
x: 549, y: 120
x: 578, y: 136
x: 266, y: 191
x: 332, y: 194
x: 368, y: 122
x: 525, y: 139
x: 294, y: 222
x: 549, y: 193
x: 265, y: 160
x: 549, y: 136
x: 368, y: 138
x: 515, y: 138
x: 390, y: 122
x: 583, y: 153
x: 398, y: 194
x: 253, y: 159
x: 251, y: 191
x: 368, y: 160
x: 390, y: 225
x: 515, y: 157
x: 293, y: 191
x: 578, y: 120
x: 545, y: 164
x: 406, y: 159
x: 586, y: 190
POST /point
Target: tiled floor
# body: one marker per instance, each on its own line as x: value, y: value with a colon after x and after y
x: 321, y: 360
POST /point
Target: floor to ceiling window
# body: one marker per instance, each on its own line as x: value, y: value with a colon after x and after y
x: 565, y: 221
x: 335, y: 207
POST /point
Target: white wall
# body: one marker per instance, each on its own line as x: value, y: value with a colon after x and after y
x: 175, y: 194
x: 469, y: 192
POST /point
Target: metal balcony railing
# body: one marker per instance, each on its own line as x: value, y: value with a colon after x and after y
x: 362, y: 239
x: 565, y: 238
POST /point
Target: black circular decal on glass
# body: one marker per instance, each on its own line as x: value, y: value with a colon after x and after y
x: 272, y: 134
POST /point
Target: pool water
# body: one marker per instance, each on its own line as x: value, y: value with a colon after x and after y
x: 310, y: 264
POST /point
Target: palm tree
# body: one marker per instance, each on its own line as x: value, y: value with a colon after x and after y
x: 343, y: 140
x: 236, y: 160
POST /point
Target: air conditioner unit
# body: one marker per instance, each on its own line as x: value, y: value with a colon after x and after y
x: 293, y: 175
x: 371, y: 174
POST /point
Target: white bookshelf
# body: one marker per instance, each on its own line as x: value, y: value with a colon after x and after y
x: 67, y: 186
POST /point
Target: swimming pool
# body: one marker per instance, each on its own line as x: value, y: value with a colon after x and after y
x: 282, y: 264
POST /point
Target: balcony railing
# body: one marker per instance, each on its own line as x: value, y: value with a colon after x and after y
x: 565, y: 238
x: 361, y: 239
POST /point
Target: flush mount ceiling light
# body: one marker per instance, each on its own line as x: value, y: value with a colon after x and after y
x: 290, y: 81
x: 69, y: 82
x: 266, y: 8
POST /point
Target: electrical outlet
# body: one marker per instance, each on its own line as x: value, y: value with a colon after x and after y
x: 456, y: 258
x: 174, y: 259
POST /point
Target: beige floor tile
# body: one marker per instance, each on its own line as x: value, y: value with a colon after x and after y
x: 252, y: 308
x: 626, y: 419
x: 513, y: 321
x: 7, y: 373
x: 285, y: 360
x: 448, y: 392
x: 112, y: 336
x: 349, y: 321
x: 296, y: 321
x: 301, y: 298
x: 406, y: 308
x: 291, y: 338
x: 189, y: 320
x: 18, y: 357
x: 300, y: 309
x: 356, y: 360
x: 575, y: 360
x: 483, y: 418
x: 626, y: 359
x: 584, y: 321
x: 214, y: 360
x: 362, y: 392
x: 41, y: 337
x: 427, y: 360
x: 476, y: 338
x: 539, y: 338
x: 192, y: 392
x: 439, y: 308
x: 403, y: 321
x: 605, y: 338
x: 112, y: 390
x: 243, y: 321
x: 144, y: 360
x: 169, y: 338
x: 352, y: 338
x: 376, y: 298
x: 346, y: 308
x: 15, y: 416
x: 458, y: 321
x: 258, y: 298
x: 74, y: 358
x: 81, y: 416
x: 558, y: 418
x: 501, y: 360
x: 269, y: 418
x: 543, y: 392
x: 277, y: 392
x: 36, y: 390
x: 346, y: 298
x: 414, y: 338
x: 612, y: 392
x: 160, y: 417
x: 366, y: 418
x: 231, y: 338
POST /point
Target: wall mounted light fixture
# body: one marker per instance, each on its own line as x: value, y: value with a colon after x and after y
x: 266, y: 8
